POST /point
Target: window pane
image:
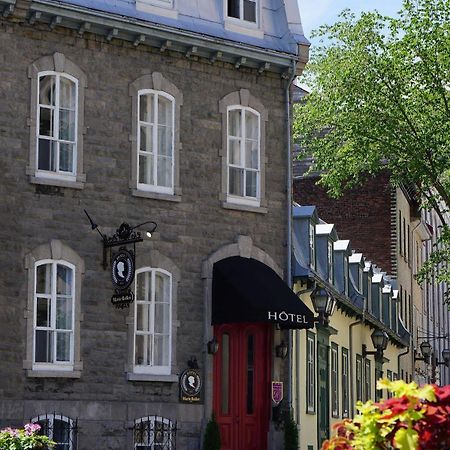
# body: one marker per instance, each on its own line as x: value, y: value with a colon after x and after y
x: 233, y: 8
x: 43, y: 350
x: 251, y: 126
x: 225, y: 375
x: 66, y: 125
x: 43, y: 312
x: 67, y: 93
x: 161, y: 355
x: 146, y: 140
x: 162, y: 287
x: 143, y: 316
x: 61, y: 434
x: 47, y: 90
x: 143, y: 350
x: 64, y: 280
x: 63, y: 313
x: 63, y: 346
x: 146, y: 169
x: 236, y: 181
x: 46, y: 117
x: 146, y: 108
x: 164, y: 140
x: 251, y: 154
x: 66, y: 157
x: 250, y: 10
x: 43, y: 278
x: 164, y: 171
x: 140, y: 285
x: 235, y: 151
x: 250, y: 183
x: 234, y: 124
x: 162, y: 318
x: 47, y: 155
x: 164, y: 111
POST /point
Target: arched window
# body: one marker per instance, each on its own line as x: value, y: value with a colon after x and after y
x: 57, y: 123
x: 60, y: 429
x: 53, y: 311
x: 54, y: 295
x: 153, y: 322
x: 154, y: 433
x: 243, y: 155
x: 156, y: 115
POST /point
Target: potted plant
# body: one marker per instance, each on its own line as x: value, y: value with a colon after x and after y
x: 415, y: 418
x: 25, y: 438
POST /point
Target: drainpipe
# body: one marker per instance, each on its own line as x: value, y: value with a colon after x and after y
x: 289, y: 219
x: 351, y: 377
x: 398, y: 361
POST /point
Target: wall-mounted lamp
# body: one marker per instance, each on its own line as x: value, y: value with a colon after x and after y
x: 281, y: 350
x: 323, y: 304
x: 425, y: 349
x: 213, y: 346
x: 380, y: 341
x: 445, y: 357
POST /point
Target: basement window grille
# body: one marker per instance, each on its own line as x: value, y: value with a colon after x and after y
x: 60, y: 429
x: 154, y: 433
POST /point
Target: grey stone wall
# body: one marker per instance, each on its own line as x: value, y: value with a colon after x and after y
x: 188, y: 231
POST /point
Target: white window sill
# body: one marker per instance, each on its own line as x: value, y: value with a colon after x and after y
x: 53, y: 373
x: 243, y: 27
x: 156, y: 195
x: 60, y: 182
x: 244, y: 207
x: 157, y: 8
x: 131, y: 376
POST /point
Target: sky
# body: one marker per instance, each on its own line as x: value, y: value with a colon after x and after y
x: 318, y: 12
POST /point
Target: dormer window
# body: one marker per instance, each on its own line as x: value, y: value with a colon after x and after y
x: 345, y: 275
x: 242, y: 10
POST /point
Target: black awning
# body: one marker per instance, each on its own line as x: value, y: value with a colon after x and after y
x: 246, y: 290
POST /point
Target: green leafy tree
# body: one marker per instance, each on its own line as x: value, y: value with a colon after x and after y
x: 290, y: 433
x: 380, y: 100
x: 211, y: 440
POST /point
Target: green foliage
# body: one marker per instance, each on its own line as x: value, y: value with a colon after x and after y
x: 211, y: 440
x: 413, y: 419
x: 290, y: 433
x: 380, y: 100
x: 24, y: 439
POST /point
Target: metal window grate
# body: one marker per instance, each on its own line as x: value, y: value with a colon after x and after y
x: 154, y: 433
x: 59, y: 429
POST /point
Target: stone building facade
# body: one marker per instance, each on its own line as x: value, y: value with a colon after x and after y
x: 76, y: 134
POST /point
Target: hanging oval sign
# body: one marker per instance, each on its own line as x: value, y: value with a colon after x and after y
x: 122, y: 269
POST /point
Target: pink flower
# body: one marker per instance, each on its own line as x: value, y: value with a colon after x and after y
x: 11, y: 431
x: 31, y: 428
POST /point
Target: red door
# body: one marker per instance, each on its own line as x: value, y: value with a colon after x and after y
x: 241, y: 385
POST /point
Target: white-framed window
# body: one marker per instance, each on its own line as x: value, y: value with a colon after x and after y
x: 54, y: 311
x: 345, y: 274
x: 345, y: 384
x: 334, y: 381
x: 312, y: 245
x: 152, y: 346
x: 153, y: 433
x: 58, y: 428
x: 56, y: 137
x: 310, y: 373
x: 246, y: 10
x: 367, y: 380
x: 243, y: 142
x: 330, y: 261
x: 155, y: 140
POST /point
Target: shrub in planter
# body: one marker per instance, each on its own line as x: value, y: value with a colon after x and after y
x: 413, y: 419
x: 24, y: 438
x: 290, y: 433
x: 211, y: 440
